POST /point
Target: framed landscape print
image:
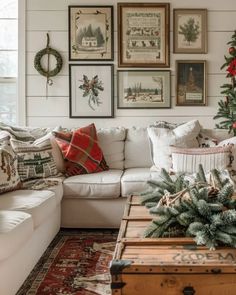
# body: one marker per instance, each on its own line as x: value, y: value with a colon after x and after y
x: 190, y: 83
x: 190, y: 30
x: 143, y: 34
x: 139, y: 89
x: 91, y: 91
x: 90, y: 33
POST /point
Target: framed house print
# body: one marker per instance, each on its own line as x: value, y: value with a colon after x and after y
x: 91, y: 91
x: 90, y: 33
x: 139, y: 89
x: 190, y: 83
x: 190, y: 30
x: 143, y: 34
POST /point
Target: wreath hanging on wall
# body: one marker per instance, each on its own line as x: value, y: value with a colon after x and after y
x: 47, y: 72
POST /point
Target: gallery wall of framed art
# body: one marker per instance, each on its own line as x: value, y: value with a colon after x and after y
x: 143, y: 50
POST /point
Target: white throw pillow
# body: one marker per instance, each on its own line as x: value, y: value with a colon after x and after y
x: 187, y: 160
x: 162, y: 139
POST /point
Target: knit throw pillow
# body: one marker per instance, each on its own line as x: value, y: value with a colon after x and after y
x: 81, y: 151
x: 35, y: 159
x: 9, y: 177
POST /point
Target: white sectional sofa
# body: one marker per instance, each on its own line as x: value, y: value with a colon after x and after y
x: 29, y: 220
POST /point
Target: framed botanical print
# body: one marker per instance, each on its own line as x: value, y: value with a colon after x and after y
x: 190, y: 30
x: 138, y: 89
x: 91, y: 90
x: 190, y: 83
x: 90, y: 33
x: 143, y: 34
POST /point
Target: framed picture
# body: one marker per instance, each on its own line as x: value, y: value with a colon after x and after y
x: 139, y: 89
x: 143, y: 34
x: 190, y: 83
x: 91, y: 91
x: 190, y: 30
x: 90, y: 33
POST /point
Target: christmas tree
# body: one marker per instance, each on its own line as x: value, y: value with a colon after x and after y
x: 202, y: 210
x: 227, y: 107
x: 190, y: 30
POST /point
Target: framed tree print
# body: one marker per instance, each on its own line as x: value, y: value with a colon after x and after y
x: 190, y: 83
x: 190, y: 30
x: 90, y: 33
x: 139, y: 89
x: 91, y: 91
x: 143, y: 34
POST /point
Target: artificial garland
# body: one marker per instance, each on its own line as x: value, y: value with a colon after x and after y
x: 46, y: 72
x: 202, y: 210
x: 227, y: 107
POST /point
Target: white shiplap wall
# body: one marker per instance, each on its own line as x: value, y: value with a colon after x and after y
x: 52, y: 15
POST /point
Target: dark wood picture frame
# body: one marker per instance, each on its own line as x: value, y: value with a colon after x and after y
x: 91, y: 33
x: 186, y: 20
x: 191, y: 83
x: 147, y: 45
x: 91, y: 90
x: 143, y: 89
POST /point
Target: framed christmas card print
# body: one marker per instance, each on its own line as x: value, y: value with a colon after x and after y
x: 190, y: 31
x: 90, y: 33
x: 190, y: 83
x: 143, y: 34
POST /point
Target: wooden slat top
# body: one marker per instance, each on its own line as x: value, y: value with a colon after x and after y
x: 162, y: 254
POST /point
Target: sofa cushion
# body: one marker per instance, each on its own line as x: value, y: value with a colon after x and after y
x: 134, y: 180
x: 15, y: 229
x: 137, y: 149
x: 111, y: 141
x: 81, y: 151
x: 97, y: 185
x: 53, y: 184
x: 39, y: 204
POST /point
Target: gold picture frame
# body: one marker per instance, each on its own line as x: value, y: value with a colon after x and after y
x: 190, y: 30
x: 143, y: 34
x: 191, y: 83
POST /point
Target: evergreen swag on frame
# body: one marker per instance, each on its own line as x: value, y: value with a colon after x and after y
x: 204, y: 211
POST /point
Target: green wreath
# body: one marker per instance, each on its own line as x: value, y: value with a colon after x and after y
x: 40, y: 69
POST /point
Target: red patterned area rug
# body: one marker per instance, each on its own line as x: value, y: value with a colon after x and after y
x: 75, y: 263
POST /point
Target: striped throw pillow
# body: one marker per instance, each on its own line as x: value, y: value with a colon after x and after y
x: 187, y: 160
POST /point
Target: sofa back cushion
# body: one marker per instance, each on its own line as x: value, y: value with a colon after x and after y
x: 137, y: 148
x: 111, y: 141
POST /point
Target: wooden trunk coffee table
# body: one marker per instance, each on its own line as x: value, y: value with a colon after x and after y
x: 168, y: 266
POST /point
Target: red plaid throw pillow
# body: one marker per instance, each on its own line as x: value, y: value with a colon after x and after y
x: 81, y: 151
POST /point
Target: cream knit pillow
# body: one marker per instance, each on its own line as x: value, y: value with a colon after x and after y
x: 187, y: 160
x: 162, y: 139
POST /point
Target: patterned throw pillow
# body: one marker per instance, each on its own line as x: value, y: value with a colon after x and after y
x: 81, y: 151
x: 187, y: 160
x: 35, y: 159
x: 9, y: 177
x: 205, y: 140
